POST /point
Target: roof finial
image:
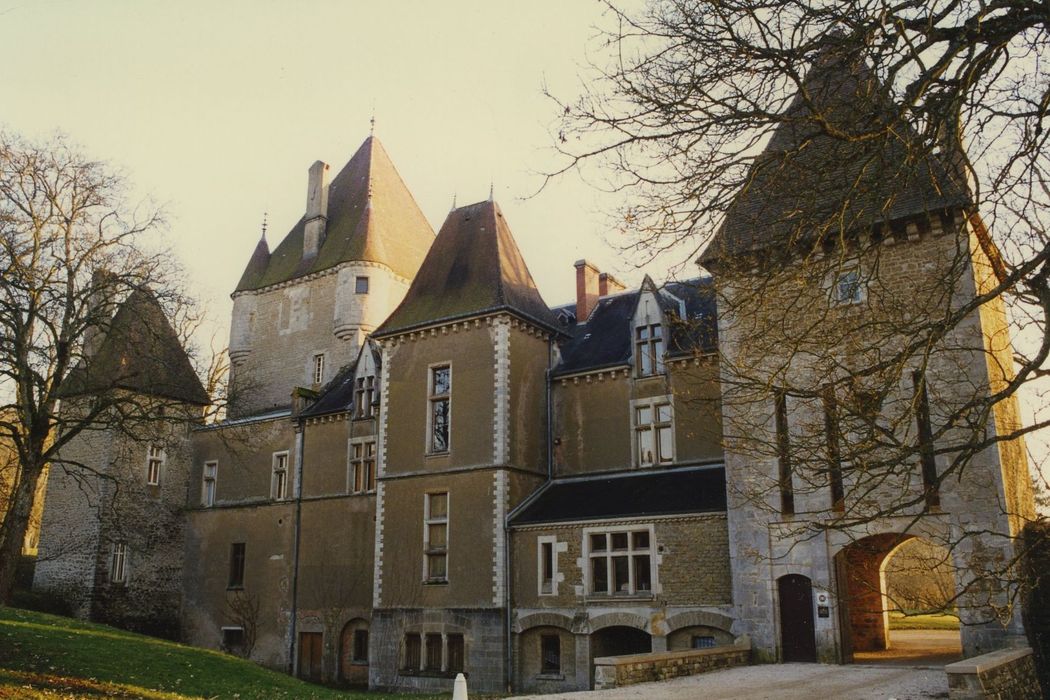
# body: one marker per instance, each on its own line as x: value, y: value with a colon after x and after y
x: 453, y: 202
x: 264, y: 226
x: 492, y: 189
x: 372, y: 121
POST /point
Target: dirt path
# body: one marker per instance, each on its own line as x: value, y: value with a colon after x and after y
x: 786, y: 682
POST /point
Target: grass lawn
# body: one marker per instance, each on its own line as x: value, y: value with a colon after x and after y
x: 900, y: 621
x: 46, y: 656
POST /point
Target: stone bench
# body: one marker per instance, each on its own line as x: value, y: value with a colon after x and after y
x: 616, y: 671
x: 1007, y: 674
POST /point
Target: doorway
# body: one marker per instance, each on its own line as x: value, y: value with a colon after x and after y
x: 798, y: 641
x: 310, y: 651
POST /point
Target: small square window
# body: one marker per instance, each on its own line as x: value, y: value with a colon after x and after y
x: 848, y: 287
x: 361, y: 285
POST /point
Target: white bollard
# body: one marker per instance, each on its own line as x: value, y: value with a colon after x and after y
x: 459, y: 688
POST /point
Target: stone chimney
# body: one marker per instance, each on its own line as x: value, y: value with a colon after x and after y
x: 316, y: 209
x: 586, y: 289
x: 607, y: 284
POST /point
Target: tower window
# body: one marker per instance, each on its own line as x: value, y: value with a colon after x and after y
x: 118, y: 570
x: 440, y: 408
x: 154, y: 460
x: 435, y: 530
x: 318, y: 368
x: 361, y: 285
x: 848, y: 287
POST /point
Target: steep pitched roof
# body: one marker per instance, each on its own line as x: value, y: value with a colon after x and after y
x: 371, y: 217
x: 338, y: 395
x: 256, y: 265
x: 605, y: 338
x: 665, y: 492
x: 809, y: 185
x: 474, y: 267
x: 142, y: 353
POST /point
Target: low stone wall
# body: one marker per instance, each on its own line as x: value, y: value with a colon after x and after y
x: 1007, y: 674
x: 615, y: 671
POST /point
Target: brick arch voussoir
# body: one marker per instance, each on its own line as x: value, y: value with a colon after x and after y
x: 544, y: 619
x: 699, y: 618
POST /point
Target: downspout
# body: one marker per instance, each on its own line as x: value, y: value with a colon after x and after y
x: 508, y: 598
x: 300, y: 442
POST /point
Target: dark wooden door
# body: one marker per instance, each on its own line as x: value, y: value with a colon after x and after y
x: 797, y: 640
x: 310, y: 648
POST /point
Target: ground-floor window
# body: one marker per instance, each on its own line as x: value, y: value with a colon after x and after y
x: 233, y: 639
x: 702, y: 641
x: 434, y: 653
x: 360, y: 647
x: 550, y: 654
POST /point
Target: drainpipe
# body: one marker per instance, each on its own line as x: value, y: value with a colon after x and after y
x: 300, y: 441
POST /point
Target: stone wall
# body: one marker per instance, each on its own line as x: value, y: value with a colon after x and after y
x: 1008, y: 674
x: 617, y: 671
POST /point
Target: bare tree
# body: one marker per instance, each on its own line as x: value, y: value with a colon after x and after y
x: 867, y: 179
x: 73, y: 251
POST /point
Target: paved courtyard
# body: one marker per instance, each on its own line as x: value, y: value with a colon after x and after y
x: 786, y: 682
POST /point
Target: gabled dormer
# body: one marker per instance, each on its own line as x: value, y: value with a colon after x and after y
x: 648, y: 331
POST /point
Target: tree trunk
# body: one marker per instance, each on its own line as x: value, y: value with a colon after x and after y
x: 16, y: 522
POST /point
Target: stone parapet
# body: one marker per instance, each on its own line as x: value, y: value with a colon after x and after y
x: 1007, y: 674
x: 616, y: 671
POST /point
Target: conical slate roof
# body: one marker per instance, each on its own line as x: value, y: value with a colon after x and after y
x: 256, y: 266
x: 393, y: 233
x: 474, y: 267
x: 809, y: 185
x: 141, y: 353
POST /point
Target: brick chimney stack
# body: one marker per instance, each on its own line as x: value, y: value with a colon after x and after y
x: 586, y: 289
x: 607, y: 284
x: 316, y: 209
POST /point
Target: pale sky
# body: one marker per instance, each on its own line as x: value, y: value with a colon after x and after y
x: 217, y: 109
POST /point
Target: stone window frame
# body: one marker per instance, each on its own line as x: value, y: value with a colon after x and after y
x: 118, y: 563
x: 542, y: 542
x: 279, y: 478
x: 434, y: 400
x: 358, y: 287
x: 435, y: 553
x: 654, y: 426
x: 209, y: 482
x: 360, y: 479
x: 609, y: 553
x: 156, y: 457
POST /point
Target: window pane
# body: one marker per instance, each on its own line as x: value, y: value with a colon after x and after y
x: 645, y: 361
x: 599, y: 575
x: 641, y: 539
x: 358, y: 477
x: 643, y: 580
x: 703, y: 642
x: 455, y: 653
x: 439, y: 425
x: 621, y: 580
x: 437, y: 536
x: 441, y: 381
x: 433, y: 652
x: 436, y: 566
x: 619, y: 540
x: 644, y: 416
x: 438, y: 505
x: 361, y: 285
x: 413, y: 647
x: 663, y: 413
x: 547, y: 564
x: 657, y: 331
x: 666, y: 450
x: 360, y: 652
x: 645, y: 447
x: 598, y: 543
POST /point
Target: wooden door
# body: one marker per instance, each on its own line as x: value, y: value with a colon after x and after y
x: 797, y: 639
x: 310, y: 650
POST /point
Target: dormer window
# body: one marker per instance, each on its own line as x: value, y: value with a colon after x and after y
x: 649, y: 350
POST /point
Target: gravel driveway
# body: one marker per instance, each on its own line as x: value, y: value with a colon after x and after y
x: 785, y: 681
